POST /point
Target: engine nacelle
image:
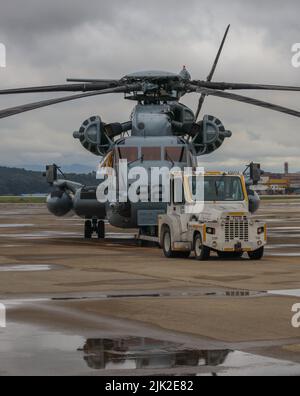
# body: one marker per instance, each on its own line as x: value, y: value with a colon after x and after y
x: 59, y: 203
x: 93, y: 137
x: 211, y: 135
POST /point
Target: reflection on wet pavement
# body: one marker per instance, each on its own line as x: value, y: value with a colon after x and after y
x: 145, y: 353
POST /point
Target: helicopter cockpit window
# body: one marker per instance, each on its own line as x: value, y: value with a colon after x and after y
x: 151, y: 153
x: 129, y: 153
x: 175, y: 154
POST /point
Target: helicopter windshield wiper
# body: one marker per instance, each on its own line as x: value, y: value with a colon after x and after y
x: 136, y: 160
x: 169, y: 158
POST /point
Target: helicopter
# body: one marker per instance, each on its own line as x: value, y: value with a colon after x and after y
x: 161, y: 131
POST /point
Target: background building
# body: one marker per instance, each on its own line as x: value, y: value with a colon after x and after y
x: 280, y: 183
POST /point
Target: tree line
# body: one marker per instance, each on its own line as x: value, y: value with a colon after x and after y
x: 15, y: 181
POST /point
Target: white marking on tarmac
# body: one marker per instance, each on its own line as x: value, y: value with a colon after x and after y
x: 291, y: 293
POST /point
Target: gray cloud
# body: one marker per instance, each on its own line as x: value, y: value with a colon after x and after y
x: 49, y: 41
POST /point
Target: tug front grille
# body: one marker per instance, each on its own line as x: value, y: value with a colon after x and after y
x: 237, y: 228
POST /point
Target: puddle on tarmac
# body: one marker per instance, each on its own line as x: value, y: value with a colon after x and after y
x: 290, y: 293
x: 15, y: 225
x: 57, y: 234
x: 283, y: 235
x: 15, y: 246
x: 115, y: 235
x: 27, y: 267
x: 285, y: 228
x: 28, y: 350
x: 42, y: 235
x: 282, y: 246
x: 278, y: 220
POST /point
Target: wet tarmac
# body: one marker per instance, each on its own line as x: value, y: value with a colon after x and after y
x: 15, y: 225
x: 77, y: 307
x: 29, y: 350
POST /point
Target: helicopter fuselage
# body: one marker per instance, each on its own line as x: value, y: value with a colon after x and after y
x: 158, y: 137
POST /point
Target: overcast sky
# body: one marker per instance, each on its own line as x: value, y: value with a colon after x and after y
x: 48, y: 41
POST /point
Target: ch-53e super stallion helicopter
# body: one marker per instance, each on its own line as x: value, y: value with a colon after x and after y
x: 161, y: 132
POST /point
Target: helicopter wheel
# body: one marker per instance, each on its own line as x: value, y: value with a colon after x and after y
x: 88, y: 229
x: 101, y: 229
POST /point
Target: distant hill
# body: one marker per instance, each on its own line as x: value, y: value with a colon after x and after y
x: 74, y: 168
x: 15, y: 181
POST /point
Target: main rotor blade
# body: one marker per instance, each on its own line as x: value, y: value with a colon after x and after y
x: 37, y: 105
x: 232, y: 86
x: 59, y: 88
x: 245, y: 99
x: 92, y: 80
x: 212, y: 72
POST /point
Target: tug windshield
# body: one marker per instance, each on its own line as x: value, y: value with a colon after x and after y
x: 221, y: 188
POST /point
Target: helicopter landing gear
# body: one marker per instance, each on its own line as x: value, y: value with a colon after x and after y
x: 101, y: 229
x: 94, y: 226
x: 88, y: 229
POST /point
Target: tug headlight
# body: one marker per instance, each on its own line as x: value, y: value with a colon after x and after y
x: 260, y: 230
x: 210, y: 230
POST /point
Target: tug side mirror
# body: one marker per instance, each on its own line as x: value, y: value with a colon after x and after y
x: 255, y: 173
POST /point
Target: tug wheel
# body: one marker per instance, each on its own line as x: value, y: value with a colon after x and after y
x: 257, y: 255
x: 201, y: 252
x: 167, y: 246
